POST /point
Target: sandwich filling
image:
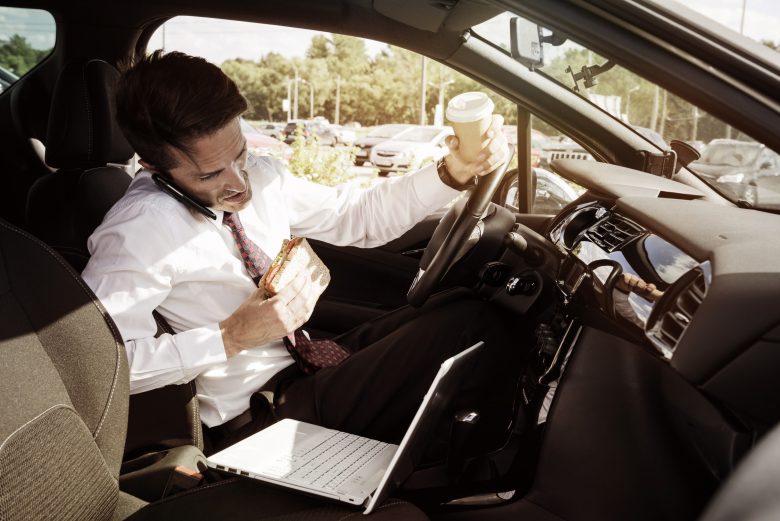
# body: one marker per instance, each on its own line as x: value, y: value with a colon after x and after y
x: 268, y: 282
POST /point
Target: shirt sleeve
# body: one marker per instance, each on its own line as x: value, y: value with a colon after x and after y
x: 131, y: 277
x: 347, y: 215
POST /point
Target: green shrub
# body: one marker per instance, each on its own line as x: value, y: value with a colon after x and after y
x: 323, y: 165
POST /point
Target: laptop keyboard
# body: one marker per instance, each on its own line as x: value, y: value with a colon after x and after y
x: 334, y: 461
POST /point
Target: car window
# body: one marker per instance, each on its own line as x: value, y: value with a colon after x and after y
x: 246, y: 128
x: 386, y: 131
x: 375, y: 88
x: 653, y: 113
x: 26, y: 38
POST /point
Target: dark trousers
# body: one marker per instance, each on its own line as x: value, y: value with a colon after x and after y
x: 377, y: 390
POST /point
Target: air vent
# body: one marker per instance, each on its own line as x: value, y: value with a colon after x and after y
x: 675, y: 312
x: 613, y: 232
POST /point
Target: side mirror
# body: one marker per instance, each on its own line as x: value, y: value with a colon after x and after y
x: 526, y: 42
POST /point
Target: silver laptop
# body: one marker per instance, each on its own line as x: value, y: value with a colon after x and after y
x: 342, y: 466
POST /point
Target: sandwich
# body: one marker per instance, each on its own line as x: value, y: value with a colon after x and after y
x: 295, y: 257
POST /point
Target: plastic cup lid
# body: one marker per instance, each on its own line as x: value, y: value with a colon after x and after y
x: 469, y: 106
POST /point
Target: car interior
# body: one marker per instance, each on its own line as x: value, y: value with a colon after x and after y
x: 648, y: 304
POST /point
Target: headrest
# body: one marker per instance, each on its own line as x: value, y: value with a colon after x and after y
x: 82, y: 130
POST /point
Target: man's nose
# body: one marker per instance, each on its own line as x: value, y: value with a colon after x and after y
x: 236, y: 180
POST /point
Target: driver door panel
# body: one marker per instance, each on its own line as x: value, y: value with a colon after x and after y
x: 367, y: 282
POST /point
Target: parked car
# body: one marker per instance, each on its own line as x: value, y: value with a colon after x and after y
x: 275, y: 130
x: 736, y: 166
x: 262, y: 145
x: 344, y: 135
x: 375, y: 136
x: 538, y: 142
x: 561, y: 147
x: 326, y: 134
x: 7, y: 78
x: 332, y: 135
x: 552, y: 194
x: 307, y: 128
x: 410, y: 149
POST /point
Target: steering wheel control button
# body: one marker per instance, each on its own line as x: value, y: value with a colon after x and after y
x: 494, y: 273
x: 522, y: 285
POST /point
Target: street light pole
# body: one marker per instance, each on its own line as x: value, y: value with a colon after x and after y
x: 295, y: 88
x: 288, y: 98
x: 422, y: 93
x: 311, y: 100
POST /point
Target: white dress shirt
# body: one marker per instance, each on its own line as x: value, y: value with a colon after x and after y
x: 151, y: 252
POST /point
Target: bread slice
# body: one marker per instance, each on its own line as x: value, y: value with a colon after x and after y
x: 295, y: 257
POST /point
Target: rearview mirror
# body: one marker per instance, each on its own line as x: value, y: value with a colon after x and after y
x: 526, y: 42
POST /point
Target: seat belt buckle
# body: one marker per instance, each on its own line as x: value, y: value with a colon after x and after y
x: 181, y: 479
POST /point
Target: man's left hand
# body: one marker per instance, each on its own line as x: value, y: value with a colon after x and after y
x: 493, y: 154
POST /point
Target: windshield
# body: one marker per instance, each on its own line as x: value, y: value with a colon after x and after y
x: 420, y: 135
x: 656, y: 114
x: 386, y: 131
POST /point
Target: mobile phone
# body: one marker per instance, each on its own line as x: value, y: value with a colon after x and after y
x: 169, y: 187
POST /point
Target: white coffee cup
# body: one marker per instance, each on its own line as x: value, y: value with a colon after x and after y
x: 470, y: 115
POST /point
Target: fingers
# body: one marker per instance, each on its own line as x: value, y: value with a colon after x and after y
x: 451, y: 142
x: 293, y: 288
x: 301, y: 297
x: 496, y: 150
x: 496, y: 126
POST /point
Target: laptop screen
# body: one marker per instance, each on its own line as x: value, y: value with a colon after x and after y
x: 421, y: 431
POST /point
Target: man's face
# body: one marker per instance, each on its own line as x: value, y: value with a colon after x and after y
x: 214, y: 172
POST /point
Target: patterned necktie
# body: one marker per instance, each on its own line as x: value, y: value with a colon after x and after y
x: 310, y: 355
x: 255, y: 260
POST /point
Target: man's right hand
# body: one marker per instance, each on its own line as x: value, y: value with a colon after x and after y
x: 260, y: 320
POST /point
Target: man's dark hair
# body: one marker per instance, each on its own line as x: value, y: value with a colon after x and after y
x: 168, y: 100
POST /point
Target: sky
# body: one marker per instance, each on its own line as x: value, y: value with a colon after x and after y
x: 219, y: 40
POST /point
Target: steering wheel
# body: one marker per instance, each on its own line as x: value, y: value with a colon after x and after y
x: 456, y: 228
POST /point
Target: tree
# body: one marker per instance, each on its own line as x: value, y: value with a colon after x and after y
x: 263, y: 87
x: 18, y: 56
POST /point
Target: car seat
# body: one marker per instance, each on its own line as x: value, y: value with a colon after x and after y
x: 64, y: 381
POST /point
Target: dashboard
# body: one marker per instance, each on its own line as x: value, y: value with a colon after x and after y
x: 697, y: 280
x: 631, y: 271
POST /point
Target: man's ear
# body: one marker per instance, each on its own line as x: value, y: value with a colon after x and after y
x: 148, y: 166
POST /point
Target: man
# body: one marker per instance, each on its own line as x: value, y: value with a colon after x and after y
x: 154, y: 253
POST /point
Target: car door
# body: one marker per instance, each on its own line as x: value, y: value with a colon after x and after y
x: 368, y: 282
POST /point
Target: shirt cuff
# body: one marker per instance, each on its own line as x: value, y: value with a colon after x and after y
x: 429, y: 189
x: 204, y: 346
